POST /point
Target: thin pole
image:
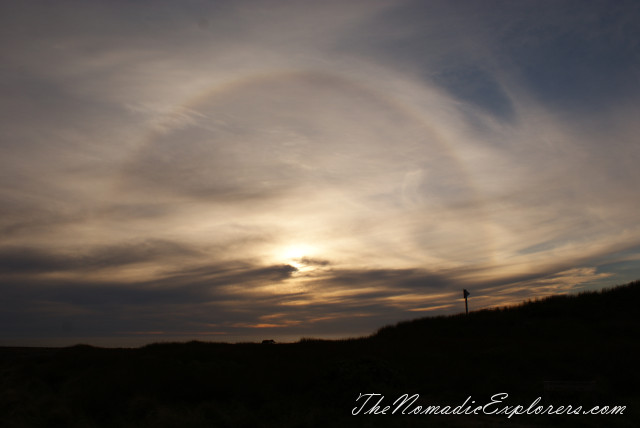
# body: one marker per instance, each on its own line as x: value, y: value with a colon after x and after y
x: 466, y: 294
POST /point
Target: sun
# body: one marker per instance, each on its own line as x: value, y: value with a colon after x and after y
x: 293, y: 252
x: 294, y: 255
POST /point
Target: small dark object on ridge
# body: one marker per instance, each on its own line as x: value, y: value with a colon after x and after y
x: 466, y: 294
x: 268, y: 342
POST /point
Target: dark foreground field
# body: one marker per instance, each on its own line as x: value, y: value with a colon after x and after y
x: 590, y: 338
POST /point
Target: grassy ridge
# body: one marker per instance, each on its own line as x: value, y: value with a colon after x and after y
x: 590, y: 337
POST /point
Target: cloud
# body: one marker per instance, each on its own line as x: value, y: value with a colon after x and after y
x: 159, y: 165
x: 35, y: 260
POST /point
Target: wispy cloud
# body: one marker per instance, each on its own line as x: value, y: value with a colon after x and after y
x: 310, y: 168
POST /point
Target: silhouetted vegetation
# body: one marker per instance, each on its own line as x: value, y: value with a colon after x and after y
x: 589, y: 337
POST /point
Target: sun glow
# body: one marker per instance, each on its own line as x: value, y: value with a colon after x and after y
x: 296, y: 252
x: 294, y: 255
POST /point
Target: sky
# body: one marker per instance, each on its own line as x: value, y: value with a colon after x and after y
x: 247, y: 170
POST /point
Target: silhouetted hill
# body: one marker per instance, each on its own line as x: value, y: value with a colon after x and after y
x: 589, y: 340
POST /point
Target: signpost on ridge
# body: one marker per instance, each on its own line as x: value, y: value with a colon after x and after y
x: 466, y: 294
